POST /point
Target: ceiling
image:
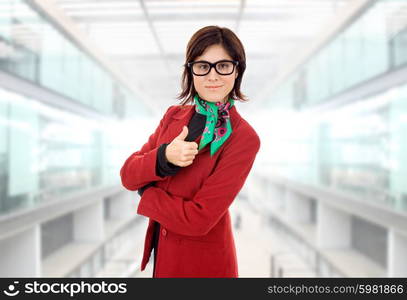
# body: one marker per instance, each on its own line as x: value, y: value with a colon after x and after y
x: 147, y: 39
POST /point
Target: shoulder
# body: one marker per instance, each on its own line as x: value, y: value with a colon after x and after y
x: 244, y: 137
x: 177, y: 112
x: 178, y: 107
x: 171, y: 111
x: 175, y: 109
x: 246, y: 132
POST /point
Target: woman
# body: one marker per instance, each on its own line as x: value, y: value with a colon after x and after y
x: 195, y: 163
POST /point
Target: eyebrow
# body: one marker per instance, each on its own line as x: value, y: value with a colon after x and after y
x: 215, y: 61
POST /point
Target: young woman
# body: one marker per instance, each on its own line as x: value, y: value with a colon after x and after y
x: 195, y: 163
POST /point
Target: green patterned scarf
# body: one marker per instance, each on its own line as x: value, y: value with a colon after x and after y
x: 217, y: 126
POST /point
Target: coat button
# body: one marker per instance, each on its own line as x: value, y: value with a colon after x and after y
x: 164, y: 232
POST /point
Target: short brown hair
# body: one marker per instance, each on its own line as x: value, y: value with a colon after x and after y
x: 203, y: 38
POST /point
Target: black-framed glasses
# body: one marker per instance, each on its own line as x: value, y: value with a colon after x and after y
x: 203, y: 67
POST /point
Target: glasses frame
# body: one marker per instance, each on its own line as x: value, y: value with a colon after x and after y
x: 211, y: 65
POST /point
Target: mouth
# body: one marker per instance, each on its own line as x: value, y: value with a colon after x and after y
x: 213, y: 87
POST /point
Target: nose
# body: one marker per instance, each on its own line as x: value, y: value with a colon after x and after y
x: 212, y: 75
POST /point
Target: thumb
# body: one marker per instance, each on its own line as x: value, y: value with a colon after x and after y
x: 183, y: 133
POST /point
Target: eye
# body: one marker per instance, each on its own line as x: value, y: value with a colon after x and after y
x: 203, y: 66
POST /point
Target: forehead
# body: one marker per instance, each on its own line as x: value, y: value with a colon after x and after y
x: 214, y: 53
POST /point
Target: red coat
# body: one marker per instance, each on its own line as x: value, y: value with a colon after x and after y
x: 196, y: 237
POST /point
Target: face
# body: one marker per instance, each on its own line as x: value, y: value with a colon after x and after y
x: 224, y: 83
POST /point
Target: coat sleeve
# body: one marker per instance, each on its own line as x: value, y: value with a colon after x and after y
x: 139, y: 168
x: 196, y: 216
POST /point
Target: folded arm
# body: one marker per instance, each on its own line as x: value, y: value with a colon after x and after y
x: 163, y: 168
x: 197, y: 215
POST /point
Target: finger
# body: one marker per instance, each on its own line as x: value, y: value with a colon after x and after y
x: 185, y: 164
x: 190, y: 152
x: 192, y: 145
x: 183, y: 134
x: 188, y: 158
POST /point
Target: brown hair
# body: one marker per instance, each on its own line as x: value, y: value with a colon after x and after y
x: 203, y: 38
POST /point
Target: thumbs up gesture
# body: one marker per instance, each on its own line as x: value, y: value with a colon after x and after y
x: 179, y: 152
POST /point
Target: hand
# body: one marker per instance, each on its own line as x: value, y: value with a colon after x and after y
x: 179, y: 152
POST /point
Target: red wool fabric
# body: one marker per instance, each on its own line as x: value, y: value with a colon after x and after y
x: 196, y: 238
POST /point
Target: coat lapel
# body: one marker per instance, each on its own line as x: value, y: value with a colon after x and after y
x: 184, y: 115
x: 179, y: 119
x: 184, y: 112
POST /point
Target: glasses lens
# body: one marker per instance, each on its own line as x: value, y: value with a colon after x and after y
x: 200, y: 68
x: 224, y: 67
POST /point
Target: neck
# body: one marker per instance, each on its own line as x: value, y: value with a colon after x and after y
x: 224, y: 100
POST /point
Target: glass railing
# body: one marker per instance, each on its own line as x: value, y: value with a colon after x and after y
x: 359, y: 149
x: 373, y: 44
x: 313, y: 257
x: 34, y: 48
x: 47, y: 153
x: 107, y: 253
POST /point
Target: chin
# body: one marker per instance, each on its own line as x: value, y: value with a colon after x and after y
x: 213, y: 98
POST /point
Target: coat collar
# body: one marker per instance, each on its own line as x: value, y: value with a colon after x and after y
x: 185, y: 112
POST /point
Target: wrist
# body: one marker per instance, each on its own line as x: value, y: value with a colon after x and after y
x: 165, y: 154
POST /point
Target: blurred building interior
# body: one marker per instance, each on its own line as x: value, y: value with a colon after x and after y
x: 327, y: 83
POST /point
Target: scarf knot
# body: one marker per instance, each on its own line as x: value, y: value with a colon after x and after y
x: 218, y: 127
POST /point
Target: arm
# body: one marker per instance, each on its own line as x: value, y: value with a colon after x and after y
x: 140, y: 168
x: 198, y: 215
x: 163, y: 168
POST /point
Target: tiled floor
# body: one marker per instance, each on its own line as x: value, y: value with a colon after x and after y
x: 257, y: 246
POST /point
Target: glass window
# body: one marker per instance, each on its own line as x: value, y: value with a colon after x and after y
x: 6, y: 7
x: 367, y: 47
x: 36, y: 49
x: 51, y: 68
x: 376, y: 47
x: 400, y: 48
x: 23, y: 164
x: 3, y: 150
